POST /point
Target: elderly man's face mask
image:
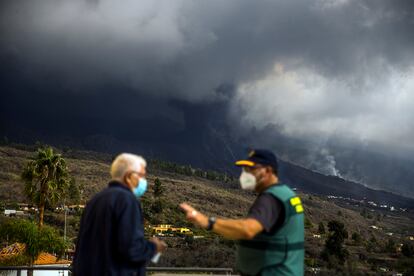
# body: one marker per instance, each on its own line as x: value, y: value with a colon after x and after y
x: 141, y: 186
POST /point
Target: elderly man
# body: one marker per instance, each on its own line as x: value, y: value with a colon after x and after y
x: 111, y: 236
x: 270, y: 239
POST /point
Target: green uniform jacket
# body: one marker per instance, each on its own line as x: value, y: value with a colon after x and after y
x: 280, y: 253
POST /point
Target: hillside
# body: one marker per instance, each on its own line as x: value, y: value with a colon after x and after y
x: 317, y: 183
x: 91, y: 171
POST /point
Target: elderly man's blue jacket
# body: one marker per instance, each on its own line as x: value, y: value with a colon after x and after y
x: 111, y: 235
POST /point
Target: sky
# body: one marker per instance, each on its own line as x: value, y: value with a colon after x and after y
x: 331, y: 71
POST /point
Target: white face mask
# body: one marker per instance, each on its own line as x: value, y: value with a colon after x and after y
x: 247, y: 181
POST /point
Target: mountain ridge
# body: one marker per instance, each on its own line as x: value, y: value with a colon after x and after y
x: 294, y: 175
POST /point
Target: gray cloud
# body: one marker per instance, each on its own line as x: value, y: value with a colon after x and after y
x: 312, y: 68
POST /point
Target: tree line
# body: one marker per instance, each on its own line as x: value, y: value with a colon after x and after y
x: 190, y: 171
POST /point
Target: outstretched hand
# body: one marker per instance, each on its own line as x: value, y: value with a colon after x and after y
x: 194, y: 216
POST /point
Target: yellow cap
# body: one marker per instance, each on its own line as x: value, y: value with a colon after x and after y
x: 247, y: 163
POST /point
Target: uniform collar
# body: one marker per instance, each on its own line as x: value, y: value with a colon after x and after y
x: 278, y: 184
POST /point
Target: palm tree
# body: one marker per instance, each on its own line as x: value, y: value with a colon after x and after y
x: 46, y: 179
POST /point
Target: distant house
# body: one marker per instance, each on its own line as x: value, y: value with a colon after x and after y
x: 43, y: 260
x: 49, y: 259
x: 14, y: 213
x: 10, y: 213
x: 23, y: 206
x: 161, y: 229
x: 314, y: 270
x: 75, y: 208
x: 12, y: 250
x: 169, y: 230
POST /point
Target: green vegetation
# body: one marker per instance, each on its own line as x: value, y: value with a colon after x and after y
x: 46, y: 179
x: 158, y: 188
x: 73, y: 192
x: 190, y: 171
x: 36, y: 240
x: 372, y: 245
x: 308, y: 223
x: 390, y: 246
x: 356, y: 237
x: 157, y: 210
x: 366, y: 214
x: 407, y: 250
x: 158, y: 202
x: 321, y: 228
x: 334, y: 243
x: 405, y: 266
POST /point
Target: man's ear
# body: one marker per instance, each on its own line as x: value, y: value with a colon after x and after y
x: 126, y: 177
x: 269, y: 169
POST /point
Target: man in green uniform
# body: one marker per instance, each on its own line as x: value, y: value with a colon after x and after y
x: 271, y: 237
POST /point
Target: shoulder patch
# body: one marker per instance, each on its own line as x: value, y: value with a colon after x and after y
x: 296, y: 204
x: 295, y: 201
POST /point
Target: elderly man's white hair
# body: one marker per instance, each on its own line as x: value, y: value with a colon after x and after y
x: 126, y: 162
